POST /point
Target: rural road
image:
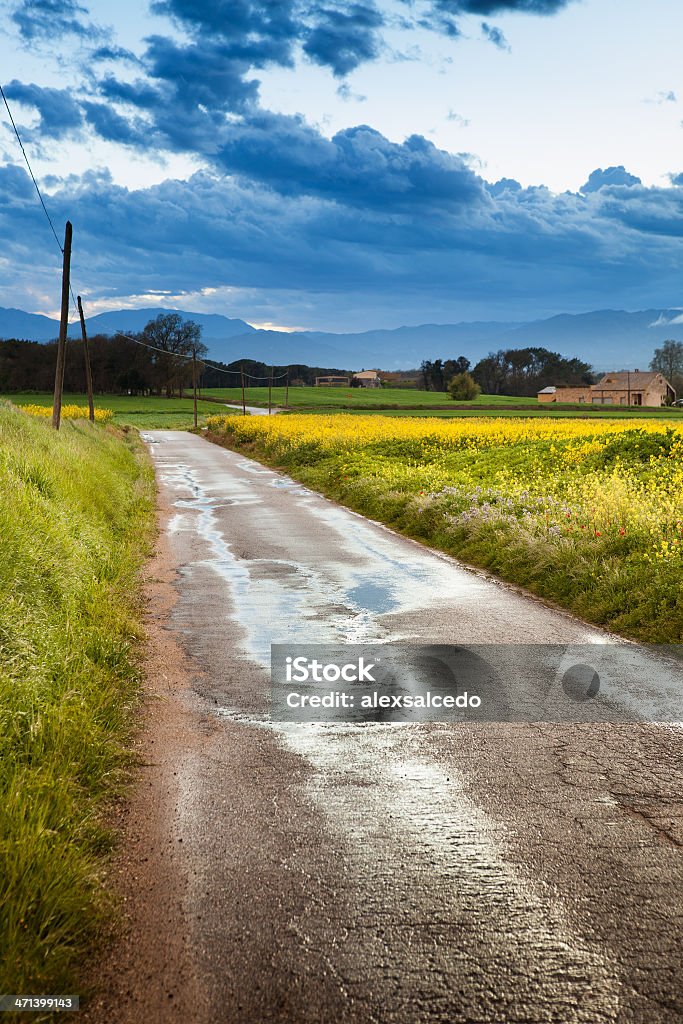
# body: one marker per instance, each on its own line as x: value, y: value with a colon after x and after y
x: 474, y: 872
x: 253, y: 410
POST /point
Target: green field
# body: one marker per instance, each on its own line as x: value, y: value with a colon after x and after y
x: 146, y: 413
x: 408, y: 402
x: 76, y: 521
x: 153, y: 412
x: 532, y: 412
x: 366, y: 399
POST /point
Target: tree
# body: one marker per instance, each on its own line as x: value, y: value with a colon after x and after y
x: 426, y: 374
x: 489, y: 373
x: 668, y: 360
x: 463, y: 387
x: 525, y: 371
x: 179, y: 340
x: 436, y: 373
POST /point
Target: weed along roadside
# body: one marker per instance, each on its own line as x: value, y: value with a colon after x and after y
x: 76, y: 522
x: 587, y: 515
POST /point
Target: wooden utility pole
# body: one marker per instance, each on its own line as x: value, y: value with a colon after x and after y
x: 287, y: 390
x: 194, y: 384
x: 270, y: 391
x: 88, y: 368
x: 244, y: 405
x: 63, y: 329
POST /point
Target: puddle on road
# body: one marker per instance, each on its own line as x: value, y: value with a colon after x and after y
x: 374, y: 597
x: 276, y: 599
x: 400, y: 817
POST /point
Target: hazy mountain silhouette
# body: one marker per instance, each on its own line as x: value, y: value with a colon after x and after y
x: 608, y: 339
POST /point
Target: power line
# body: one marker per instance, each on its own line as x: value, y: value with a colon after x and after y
x: 61, y: 249
x: 181, y: 355
x: 30, y: 171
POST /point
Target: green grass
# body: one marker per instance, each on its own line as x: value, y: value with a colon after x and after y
x: 152, y: 412
x: 145, y: 413
x: 408, y: 402
x: 76, y: 517
x: 536, y: 411
x: 366, y: 399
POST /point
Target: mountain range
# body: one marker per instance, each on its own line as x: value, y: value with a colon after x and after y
x: 608, y: 339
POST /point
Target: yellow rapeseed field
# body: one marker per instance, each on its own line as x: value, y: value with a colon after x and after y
x: 340, y: 430
x: 70, y: 412
x: 588, y: 512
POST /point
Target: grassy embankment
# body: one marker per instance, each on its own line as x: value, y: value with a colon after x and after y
x: 76, y: 515
x: 588, y: 515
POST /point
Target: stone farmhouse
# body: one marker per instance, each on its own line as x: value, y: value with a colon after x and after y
x: 367, y: 379
x: 628, y: 387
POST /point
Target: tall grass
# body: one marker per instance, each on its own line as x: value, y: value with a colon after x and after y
x: 76, y: 511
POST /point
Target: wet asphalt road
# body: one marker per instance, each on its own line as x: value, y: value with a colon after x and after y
x: 475, y: 872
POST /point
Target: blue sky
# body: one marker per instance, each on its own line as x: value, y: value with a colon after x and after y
x: 342, y: 166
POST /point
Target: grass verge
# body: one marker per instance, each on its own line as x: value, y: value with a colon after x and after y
x: 76, y: 519
x: 587, y: 515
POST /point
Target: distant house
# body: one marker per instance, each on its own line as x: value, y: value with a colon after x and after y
x: 628, y: 387
x: 367, y: 379
x: 332, y: 382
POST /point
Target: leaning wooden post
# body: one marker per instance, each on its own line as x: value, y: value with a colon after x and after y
x: 244, y: 406
x: 88, y: 368
x: 63, y: 329
x: 194, y: 384
x: 287, y: 390
x: 270, y: 390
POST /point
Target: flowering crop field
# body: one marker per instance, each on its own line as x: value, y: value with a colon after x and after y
x: 588, y: 514
x: 70, y: 412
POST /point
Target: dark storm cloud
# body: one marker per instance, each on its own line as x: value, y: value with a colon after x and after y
x: 519, y: 6
x: 48, y: 19
x: 609, y: 176
x: 284, y: 207
x: 336, y: 35
x: 15, y: 187
x: 59, y: 112
x: 211, y: 74
x: 185, y: 96
x: 200, y: 95
x: 113, y: 53
x: 616, y: 246
x: 343, y: 39
x: 443, y: 15
x: 503, y: 185
x: 356, y: 166
x: 111, y: 126
x: 274, y: 20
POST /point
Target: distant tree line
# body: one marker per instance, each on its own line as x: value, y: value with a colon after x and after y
x: 124, y: 366
x: 522, y: 372
x: 299, y: 373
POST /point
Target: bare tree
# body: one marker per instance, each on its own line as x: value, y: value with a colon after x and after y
x: 178, y: 339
